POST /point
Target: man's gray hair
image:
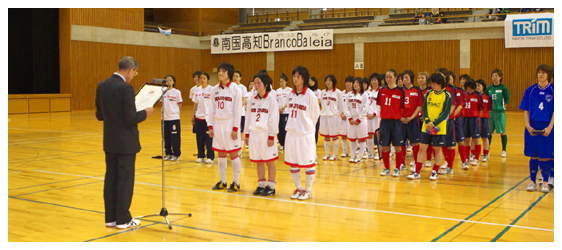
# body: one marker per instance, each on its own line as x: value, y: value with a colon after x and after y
x: 127, y: 63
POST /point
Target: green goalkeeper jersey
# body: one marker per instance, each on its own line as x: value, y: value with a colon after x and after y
x: 499, y: 95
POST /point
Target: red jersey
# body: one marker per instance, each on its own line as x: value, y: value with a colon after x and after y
x: 391, y: 102
x: 452, y: 90
x: 473, y: 104
x: 460, y: 101
x: 487, y: 104
x: 412, y: 100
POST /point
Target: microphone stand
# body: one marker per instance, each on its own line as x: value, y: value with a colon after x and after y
x: 163, y: 212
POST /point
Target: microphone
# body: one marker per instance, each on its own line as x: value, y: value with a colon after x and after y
x: 158, y: 80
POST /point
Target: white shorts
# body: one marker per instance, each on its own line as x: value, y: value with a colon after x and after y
x: 222, y: 139
x: 329, y: 126
x: 300, y: 150
x: 357, y: 132
x: 373, y: 125
x: 343, y: 127
x: 258, y: 149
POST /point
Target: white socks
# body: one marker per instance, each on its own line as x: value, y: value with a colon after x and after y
x: 222, y: 169
x: 296, y: 175
x: 310, y: 172
x: 327, y: 147
x: 353, y: 145
x: 235, y: 170
x: 336, y: 146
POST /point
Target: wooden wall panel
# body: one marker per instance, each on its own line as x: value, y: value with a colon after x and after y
x: 93, y: 62
x: 417, y: 56
x: 518, y: 65
x: 128, y: 19
x: 247, y: 63
x: 338, y: 61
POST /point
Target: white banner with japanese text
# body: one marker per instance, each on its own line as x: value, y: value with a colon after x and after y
x: 274, y: 41
x: 529, y: 30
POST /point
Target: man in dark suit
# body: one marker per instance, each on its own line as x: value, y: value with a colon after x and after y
x: 115, y: 106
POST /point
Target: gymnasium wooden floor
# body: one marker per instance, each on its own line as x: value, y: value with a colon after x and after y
x: 55, y: 181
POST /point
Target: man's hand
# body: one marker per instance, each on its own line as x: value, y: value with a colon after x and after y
x: 149, y: 111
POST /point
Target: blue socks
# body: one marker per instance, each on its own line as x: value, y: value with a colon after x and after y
x: 534, y: 167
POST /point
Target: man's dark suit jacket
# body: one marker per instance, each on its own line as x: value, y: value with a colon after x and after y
x: 115, y: 106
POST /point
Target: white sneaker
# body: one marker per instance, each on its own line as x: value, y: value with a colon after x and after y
x: 471, y: 158
x: 474, y: 162
x: 551, y: 180
x: 385, y: 172
x: 326, y: 157
x: 175, y: 158
x: 412, y: 163
x: 366, y: 155
x: 485, y: 158
x: 334, y: 158
x: 352, y: 158
x: 167, y: 157
x: 132, y: 223
x: 111, y: 224
x: 396, y: 172
x: 531, y: 187
x: 402, y: 167
x: 344, y: 155
x: 358, y: 159
x: 465, y: 165
x: 409, y: 149
x: 377, y: 156
x: 413, y: 176
x: 200, y: 160
x: 297, y: 194
x: 413, y: 169
x: 444, y: 166
x: 545, y: 188
x: 446, y: 170
x: 503, y: 155
x: 305, y: 195
x: 427, y: 164
x: 281, y: 148
x: 209, y: 161
x: 433, y: 176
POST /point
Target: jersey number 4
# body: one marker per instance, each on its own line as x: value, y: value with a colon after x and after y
x: 541, y: 106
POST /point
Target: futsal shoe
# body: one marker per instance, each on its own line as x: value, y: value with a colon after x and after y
x: 474, y: 162
x: 305, y: 195
x: 334, y: 158
x: 485, y: 158
x: 168, y: 157
x: 471, y: 157
x: 545, y: 188
x: 402, y: 167
x: 446, y: 170
x: 433, y: 176
x: 444, y: 166
x: 358, y: 159
x: 219, y: 186
x: 503, y: 155
x: 377, y: 156
x: 175, y: 158
x: 258, y: 190
x: 465, y: 165
x: 234, y: 187
x: 385, y: 172
x: 132, y: 223
x: 344, y: 155
x: 209, y: 161
x: 352, y: 159
x: 413, y: 176
x: 428, y: 164
x: 412, y: 163
x: 551, y: 181
x: 111, y: 224
x: 531, y: 187
x: 297, y: 194
x: 200, y: 160
x: 326, y: 157
x: 413, y: 169
x: 267, y: 191
x: 396, y: 172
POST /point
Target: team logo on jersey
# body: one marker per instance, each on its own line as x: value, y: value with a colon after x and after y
x: 396, y: 96
x: 413, y: 94
x: 498, y: 91
x: 541, y: 93
x: 548, y: 98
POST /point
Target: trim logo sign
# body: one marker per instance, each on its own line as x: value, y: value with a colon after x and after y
x: 532, y: 27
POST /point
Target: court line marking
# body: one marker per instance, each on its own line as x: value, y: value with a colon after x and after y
x: 132, y: 229
x: 478, y: 211
x: 359, y: 209
x: 518, y: 218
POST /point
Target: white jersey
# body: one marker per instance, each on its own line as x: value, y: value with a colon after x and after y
x: 282, y: 97
x: 332, y: 102
x: 262, y: 114
x: 318, y: 93
x: 345, y: 97
x: 356, y: 107
x: 303, y: 112
x: 244, y: 93
x: 170, y: 104
x: 191, y: 92
x: 372, y: 107
x: 203, y: 101
x: 196, y: 92
x: 226, y: 105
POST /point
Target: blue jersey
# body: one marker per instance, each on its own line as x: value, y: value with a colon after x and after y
x: 539, y: 103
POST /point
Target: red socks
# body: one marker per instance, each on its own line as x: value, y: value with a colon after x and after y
x: 416, y: 150
x: 462, y: 152
x: 428, y: 153
x: 418, y: 166
x: 400, y: 158
x: 476, y: 151
x: 386, y: 159
x: 486, y: 152
x: 435, y: 167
